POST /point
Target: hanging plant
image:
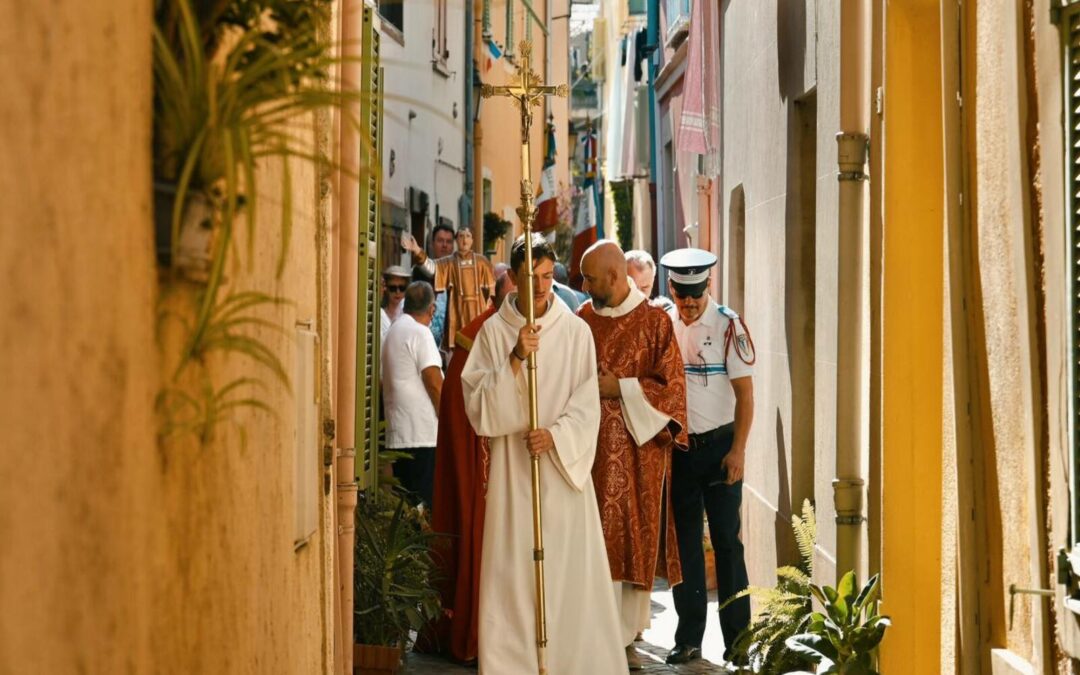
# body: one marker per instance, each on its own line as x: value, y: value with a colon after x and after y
x: 235, y: 83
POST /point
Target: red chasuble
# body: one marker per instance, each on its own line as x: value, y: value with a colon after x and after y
x: 458, y: 508
x: 629, y: 479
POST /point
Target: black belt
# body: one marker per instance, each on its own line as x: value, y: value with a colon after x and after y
x: 707, y: 438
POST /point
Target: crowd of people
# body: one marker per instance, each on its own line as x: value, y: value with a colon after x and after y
x: 644, y: 407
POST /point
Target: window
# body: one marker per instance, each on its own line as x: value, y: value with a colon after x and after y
x: 509, y: 51
x: 677, y: 13
x: 393, y: 13
x: 486, y: 192
x: 439, y: 51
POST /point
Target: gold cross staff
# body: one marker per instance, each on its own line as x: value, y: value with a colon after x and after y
x: 528, y: 92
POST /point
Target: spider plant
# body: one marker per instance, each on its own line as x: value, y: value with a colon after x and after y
x: 217, y: 116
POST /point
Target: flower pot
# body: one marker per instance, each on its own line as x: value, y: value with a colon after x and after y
x: 376, y: 659
x: 194, y: 249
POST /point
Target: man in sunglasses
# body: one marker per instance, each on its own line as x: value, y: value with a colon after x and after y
x: 718, y: 357
x: 395, y: 280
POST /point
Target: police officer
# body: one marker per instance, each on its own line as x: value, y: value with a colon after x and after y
x: 718, y: 357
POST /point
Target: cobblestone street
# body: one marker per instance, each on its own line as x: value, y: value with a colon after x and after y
x: 659, y: 638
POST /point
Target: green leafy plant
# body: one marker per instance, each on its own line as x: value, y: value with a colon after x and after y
x: 236, y: 82
x: 622, y: 194
x: 785, y: 610
x: 845, y: 638
x: 395, y: 574
x: 495, y: 228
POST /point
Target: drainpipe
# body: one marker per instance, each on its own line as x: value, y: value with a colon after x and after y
x: 468, y: 63
x: 345, y: 338
x: 852, y: 389
x: 478, y: 29
x: 652, y: 44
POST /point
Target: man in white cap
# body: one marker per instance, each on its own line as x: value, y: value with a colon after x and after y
x: 718, y: 357
x: 395, y: 281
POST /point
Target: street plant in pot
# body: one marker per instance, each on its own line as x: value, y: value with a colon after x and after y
x: 845, y: 638
x: 395, y: 589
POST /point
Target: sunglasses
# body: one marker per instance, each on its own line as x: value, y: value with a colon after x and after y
x: 683, y: 296
x: 394, y: 288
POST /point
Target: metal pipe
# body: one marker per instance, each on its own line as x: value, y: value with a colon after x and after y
x: 346, y: 247
x: 852, y: 387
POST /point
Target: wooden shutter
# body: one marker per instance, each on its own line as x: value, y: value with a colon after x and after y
x: 367, y: 296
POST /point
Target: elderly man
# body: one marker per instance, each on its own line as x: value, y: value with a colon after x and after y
x: 642, y: 419
x: 642, y: 269
x: 412, y: 384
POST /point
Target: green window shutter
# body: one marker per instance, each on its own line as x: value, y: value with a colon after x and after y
x: 368, y: 317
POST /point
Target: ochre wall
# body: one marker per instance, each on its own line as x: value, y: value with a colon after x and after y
x: 80, y: 514
x: 120, y: 555
x: 912, y: 305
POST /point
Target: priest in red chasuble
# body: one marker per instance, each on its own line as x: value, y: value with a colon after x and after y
x: 458, y: 504
x: 467, y: 278
x: 643, y: 419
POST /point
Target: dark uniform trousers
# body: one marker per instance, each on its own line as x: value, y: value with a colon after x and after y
x: 697, y: 482
x: 417, y: 474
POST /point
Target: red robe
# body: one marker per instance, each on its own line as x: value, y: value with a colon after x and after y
x: 458, y: 505
x: 630, y: 479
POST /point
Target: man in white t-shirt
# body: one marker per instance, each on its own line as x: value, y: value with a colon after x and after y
x: 412, y: 383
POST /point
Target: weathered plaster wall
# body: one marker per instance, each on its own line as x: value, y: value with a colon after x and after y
x: 80, y: 516
x: 235, y: 596
x: 121, y: 556
x: 780, y: 108
x: 1001, y: 191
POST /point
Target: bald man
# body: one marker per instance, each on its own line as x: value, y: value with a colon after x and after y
x: 643, y: 418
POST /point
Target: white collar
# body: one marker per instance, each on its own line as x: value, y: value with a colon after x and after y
x: 509, y: 313
x: 629, y: 304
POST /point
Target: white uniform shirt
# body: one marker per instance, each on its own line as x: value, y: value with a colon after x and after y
x: 710, y: 400
x: 411, y: 419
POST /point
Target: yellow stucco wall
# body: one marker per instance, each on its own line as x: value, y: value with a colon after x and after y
x: 912, y: 315
x: 79, y: 514
x: 121, y: 556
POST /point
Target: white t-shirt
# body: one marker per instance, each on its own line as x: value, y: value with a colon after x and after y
x: 411, y: 419
x: 710, y: 400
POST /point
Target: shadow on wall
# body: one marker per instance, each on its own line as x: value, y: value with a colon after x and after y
x: 791, y: 48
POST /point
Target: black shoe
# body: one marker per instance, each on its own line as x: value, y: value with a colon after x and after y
x: 683, y: 654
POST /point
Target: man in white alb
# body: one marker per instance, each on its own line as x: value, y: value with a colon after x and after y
x: 582, y: 623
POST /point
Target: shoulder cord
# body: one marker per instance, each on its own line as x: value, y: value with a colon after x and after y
x: 729, y: 337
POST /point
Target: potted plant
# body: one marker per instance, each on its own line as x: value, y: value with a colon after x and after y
x: 231, y: 79
x: 495, y: 228
x: 845, y: 638
x: 784, y: 610
x: 395, y: 580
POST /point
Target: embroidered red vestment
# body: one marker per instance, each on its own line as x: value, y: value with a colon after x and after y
x: 629, y: 479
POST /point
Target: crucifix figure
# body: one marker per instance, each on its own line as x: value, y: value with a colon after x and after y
x: 528, y: 92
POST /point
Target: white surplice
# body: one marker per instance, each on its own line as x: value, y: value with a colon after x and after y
x: 582, y: 622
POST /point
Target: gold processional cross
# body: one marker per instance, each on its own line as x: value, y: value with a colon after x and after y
x: 529, y: 92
